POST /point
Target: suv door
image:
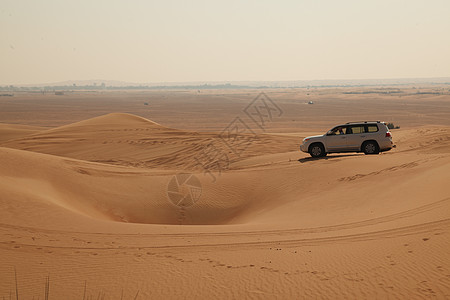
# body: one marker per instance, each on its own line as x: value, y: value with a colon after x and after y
x: 355, y: 137
x: 336, y: 139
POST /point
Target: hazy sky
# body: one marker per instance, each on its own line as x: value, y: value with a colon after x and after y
x: 172, y: 41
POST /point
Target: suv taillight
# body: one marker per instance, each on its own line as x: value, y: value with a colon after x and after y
x: 388, y: 134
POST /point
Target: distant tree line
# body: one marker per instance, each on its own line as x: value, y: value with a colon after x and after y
x: 75, y: 87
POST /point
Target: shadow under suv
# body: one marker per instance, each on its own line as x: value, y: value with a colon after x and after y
x: 368, y: 137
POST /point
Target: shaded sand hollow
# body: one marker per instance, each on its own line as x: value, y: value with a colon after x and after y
x: 91, y: 205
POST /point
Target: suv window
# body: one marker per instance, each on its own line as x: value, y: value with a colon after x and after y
x: 355, y: 129
x: 371, y: 128
x: 338, y: 130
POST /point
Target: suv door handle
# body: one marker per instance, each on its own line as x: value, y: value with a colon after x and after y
x: 343, y: 137
x: 363, y: 136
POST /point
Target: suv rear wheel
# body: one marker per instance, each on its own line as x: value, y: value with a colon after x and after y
x: 317, y: 150
x: 370, y: 147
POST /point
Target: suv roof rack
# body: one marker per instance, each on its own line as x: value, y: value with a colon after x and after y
x: 363, y: 122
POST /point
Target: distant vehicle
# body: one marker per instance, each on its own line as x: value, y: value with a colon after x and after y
x: 370, y: 137
x: 310, y: 102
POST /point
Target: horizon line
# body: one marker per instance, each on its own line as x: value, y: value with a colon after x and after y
x: 203, y: 82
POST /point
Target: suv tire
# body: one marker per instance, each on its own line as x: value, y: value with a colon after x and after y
x: 317, y: 150
x: 370, y: 147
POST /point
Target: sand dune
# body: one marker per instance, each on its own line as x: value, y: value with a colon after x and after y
x: 13, y: 131
x: 94, y: 198
x: 129, y: 140
x: 100, y: 190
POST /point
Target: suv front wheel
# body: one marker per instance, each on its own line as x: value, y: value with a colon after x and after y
x: 317, y: 150
x: 370, y: 147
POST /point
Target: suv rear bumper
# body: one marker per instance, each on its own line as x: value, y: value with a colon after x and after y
x: 388, y: 148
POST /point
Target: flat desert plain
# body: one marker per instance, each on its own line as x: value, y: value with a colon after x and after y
x: 204, y: 194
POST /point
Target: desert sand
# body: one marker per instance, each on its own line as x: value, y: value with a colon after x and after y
x: 91, y: 197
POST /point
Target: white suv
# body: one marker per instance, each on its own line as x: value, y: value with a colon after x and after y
x: 368, y: 137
